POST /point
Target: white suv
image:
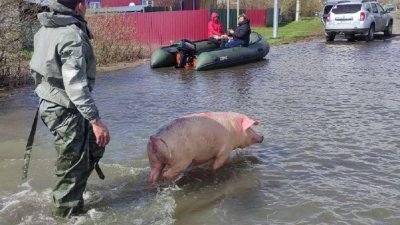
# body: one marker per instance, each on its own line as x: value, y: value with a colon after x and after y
x: 358, y: 18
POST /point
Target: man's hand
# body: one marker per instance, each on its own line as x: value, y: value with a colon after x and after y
x: 100, y: 130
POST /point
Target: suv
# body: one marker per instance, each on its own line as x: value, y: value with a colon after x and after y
x: 358, y: 18
x: 390, y: 7
x: 327, y: 8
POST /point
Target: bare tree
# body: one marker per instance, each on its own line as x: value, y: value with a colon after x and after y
x: 13, y: 60
x: 113, y: 44
x: 287, y: 7
x: 9, y: 41
x: 166, y: 3
x: 256, y: 4
x: 310, y: 8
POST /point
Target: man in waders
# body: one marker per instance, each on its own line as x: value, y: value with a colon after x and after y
x: 64, y: 68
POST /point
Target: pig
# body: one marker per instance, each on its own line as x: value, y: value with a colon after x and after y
x: 196, y: 139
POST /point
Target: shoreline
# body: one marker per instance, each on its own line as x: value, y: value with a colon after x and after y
x: 100, y: 70
x: 122, y: 65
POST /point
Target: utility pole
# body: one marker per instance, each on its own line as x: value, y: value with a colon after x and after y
x: 228, y: 12
x: 237, y: 9
x: 298, y: 6
x: 276, y: 17
x: 227, y: 15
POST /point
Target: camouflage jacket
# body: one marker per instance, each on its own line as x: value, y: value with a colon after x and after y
x: 63, y: 63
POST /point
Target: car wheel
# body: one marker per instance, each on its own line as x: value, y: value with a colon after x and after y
x: 330, y: 37
x: 351, y: 38
x: 389, y: 30
x: 371, y: 33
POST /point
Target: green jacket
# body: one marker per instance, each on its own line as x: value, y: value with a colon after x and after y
x: 63, y: 63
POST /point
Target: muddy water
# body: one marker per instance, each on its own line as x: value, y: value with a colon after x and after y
x: 330, y: 116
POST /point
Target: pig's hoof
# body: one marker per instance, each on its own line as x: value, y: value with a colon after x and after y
x: 178, y: 177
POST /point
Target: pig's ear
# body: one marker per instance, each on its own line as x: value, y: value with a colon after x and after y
x: 156, y: 143
x: 154, y: 139
x: 247, y: 123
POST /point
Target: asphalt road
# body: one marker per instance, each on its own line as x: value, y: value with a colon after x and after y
x: 396, y: 24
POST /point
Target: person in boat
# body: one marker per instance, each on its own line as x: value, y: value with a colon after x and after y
x: 216, y: 33
x: 241, y: 35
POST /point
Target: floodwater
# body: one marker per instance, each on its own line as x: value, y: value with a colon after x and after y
x: 330, y: 117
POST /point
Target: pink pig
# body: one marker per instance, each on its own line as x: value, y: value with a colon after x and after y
x: 196, y: 139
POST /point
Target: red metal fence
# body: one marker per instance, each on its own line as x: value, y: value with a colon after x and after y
x: 163, y: 27
x: 160, y: 28
x: 258, y: 17
x: 154, y: 28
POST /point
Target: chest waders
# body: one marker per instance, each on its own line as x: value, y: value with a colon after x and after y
x: 28, y: 149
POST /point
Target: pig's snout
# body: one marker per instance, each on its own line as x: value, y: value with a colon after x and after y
x: 259, y: 139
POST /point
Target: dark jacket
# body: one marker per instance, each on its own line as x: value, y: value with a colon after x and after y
x: 243, y: 31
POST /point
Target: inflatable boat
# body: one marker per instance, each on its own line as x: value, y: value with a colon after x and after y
x: 206, y: 55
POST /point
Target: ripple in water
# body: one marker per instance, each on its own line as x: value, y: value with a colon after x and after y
x: 329, y: 117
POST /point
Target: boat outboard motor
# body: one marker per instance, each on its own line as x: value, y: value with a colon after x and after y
x: 186, y: 51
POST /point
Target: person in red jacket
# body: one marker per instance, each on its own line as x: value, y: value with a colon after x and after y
x: 215, y: 27
x: 216, y: 33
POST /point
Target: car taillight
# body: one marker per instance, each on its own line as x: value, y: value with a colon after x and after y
x: 362, y: 16
x: 328, y: 17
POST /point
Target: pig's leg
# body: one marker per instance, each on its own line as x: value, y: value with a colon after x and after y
x: 155, y: 173
x: 220, y: 159
x: 176, y: 169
